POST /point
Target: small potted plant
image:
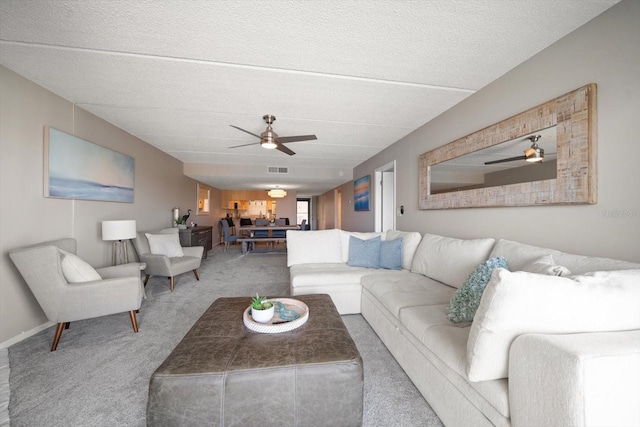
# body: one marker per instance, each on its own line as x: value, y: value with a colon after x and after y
x: 262, y: 310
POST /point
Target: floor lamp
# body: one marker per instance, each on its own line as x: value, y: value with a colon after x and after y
x: 119, y: 231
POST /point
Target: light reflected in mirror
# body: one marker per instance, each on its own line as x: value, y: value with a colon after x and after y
x: 204, y: 199
x: 471, y: 171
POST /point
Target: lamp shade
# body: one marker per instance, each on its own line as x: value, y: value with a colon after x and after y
x: 277, y: 193
x: 118, y: 230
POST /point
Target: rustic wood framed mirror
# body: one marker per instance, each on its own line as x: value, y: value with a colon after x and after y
x: 570, y: 119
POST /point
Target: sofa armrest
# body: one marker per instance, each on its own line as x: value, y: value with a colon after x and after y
x: 578, y: 379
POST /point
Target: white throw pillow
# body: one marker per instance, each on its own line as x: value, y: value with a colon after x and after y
x: 410, y: 242
x: 310, y: 247
x: 546, y: 265
x: 165, y: 244
x: 519, y: 303
x: 450, y: 260
x: 76, y: 270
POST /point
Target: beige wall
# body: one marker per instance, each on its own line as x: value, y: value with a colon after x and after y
x: 27, y: 217
x: 604, y: 51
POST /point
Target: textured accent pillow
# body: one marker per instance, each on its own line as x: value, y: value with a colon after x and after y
x: 546, y: 265
x: 165, y: 244
x: 521, y: 303
x: 364, y: 253
x: 466, y: 300
x: 391, y: 254
x: 76, y: 270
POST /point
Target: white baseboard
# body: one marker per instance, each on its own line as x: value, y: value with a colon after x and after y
x: 25, y: 335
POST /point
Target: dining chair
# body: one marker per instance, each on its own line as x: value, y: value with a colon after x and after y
x: 228, y: 237
x: 303, y: 225
x: 280, y: 233
x: 261, y: 222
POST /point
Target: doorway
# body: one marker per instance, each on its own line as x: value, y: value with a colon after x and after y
x: 385, y: 197
x: 303, y: 211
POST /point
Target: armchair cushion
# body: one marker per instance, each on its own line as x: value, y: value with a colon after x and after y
x: 165, y: 244
x: 76, y: 270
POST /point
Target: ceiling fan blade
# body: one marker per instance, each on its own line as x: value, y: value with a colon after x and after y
x: 285, y: 149
x: 244, y: 145
x: 246, y: 131
x: 510, y: 159
x: 286, y: 139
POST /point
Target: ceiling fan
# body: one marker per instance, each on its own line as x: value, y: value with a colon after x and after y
x: 270, y: 140
x: 533, y: 154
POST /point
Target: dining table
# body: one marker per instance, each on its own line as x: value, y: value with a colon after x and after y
x: 253, y: 228
x: 248, y: 241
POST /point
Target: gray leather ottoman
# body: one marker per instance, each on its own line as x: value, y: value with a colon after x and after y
x: 224, y: 374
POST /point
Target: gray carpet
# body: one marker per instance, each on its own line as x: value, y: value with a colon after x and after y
x: 100, y: 373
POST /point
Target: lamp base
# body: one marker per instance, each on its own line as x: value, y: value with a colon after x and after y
x: 120, y: 255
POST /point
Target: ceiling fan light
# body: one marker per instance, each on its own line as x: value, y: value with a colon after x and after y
x: 536, y: 156
x: 269, y: 145
x: 277, y: 193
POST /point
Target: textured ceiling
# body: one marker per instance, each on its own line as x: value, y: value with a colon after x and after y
x: 358, y: 74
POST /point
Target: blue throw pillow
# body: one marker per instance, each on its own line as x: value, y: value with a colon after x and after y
x: 364, y: 253
x: 391, y: 254
x: 466, y: 300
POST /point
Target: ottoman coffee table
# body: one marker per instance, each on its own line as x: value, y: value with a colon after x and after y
x: 224, y: 374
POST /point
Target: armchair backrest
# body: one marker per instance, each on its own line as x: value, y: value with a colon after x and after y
x: 245, y: 221
x: 281, y: 221
x: 262, y: 222
x: 41, y: 267
x: 141, y: 243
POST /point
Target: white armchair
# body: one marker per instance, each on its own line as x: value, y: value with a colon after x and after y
x: 167, y: 266
x: 105, y: 291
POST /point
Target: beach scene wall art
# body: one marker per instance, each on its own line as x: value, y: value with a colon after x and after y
x: 361, y: 192
x: 79, y: 169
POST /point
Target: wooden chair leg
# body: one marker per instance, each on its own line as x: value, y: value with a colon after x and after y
x: 134, y: 320
x: 56, y: 337
x: 171, y: 280
x: 146, y: 279
x: 196, y: 273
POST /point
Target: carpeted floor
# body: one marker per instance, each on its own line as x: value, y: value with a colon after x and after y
x: 100, y: 373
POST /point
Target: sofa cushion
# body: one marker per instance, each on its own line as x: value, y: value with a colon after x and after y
x: 364, y: 253
x: 396, y: 290
x: 445, y: 346
x: 466, y: 300
x: 309, y: 247
x: 75, y: 270
x: 546, y: 265
x: 518, y: 255
x: 165, y: 244
x: 410, y: 242
x: 391, y: 254
x: 324, y: 274
x: 520, y: 303
x: 345, y: 236
x: 450, y: 260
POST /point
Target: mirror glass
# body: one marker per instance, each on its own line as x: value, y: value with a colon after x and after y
x: 204, y: 199
x: 455, y: 175
x: 507, y: 165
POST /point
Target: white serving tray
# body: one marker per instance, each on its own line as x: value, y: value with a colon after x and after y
x: 277, y: 325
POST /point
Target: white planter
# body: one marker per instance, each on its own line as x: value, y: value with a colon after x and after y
x: 263, y: 316
x: 182, y: 226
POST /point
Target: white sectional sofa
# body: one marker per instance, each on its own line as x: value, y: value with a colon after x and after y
x: 542, y: 350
